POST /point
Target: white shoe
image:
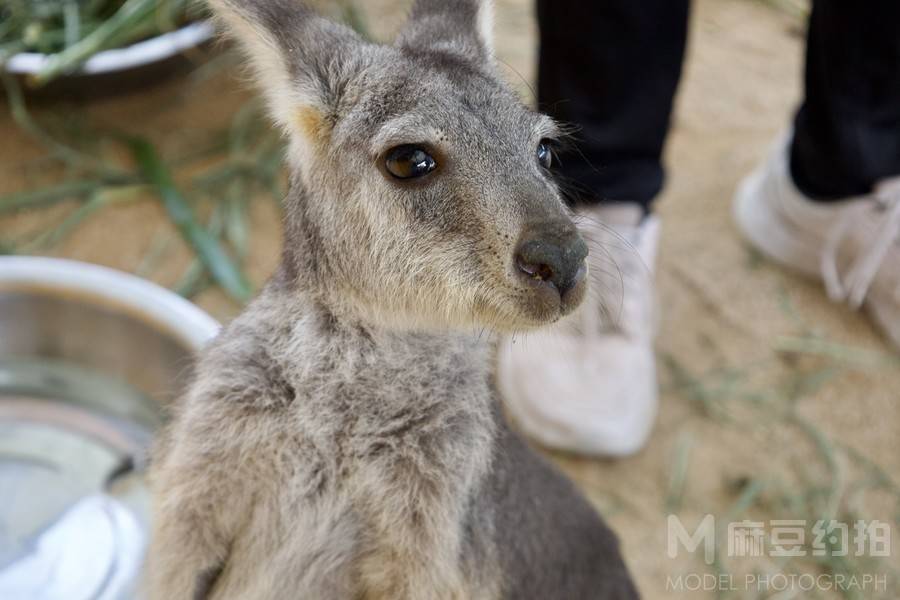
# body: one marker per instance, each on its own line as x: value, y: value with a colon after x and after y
x: 852, y: 245
x: 588, y: 383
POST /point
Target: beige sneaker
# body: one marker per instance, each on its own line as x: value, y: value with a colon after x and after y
x: 588, y: 383
x: 852, y: 245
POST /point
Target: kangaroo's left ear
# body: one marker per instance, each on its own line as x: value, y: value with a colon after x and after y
x: 463, y: 27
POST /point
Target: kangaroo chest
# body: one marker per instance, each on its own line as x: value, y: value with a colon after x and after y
x: 405, y: 438
x: 407, y: 476
x: 413, y: 503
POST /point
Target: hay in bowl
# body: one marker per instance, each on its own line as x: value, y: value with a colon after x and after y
x: 42, y: 40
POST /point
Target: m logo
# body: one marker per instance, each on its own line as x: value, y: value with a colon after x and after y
x: 705, y: 534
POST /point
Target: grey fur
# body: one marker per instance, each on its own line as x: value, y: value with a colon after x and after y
x: 343, y: 438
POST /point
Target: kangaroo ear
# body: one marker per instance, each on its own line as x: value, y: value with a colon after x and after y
x: 301, y: 60
x: 462, y: 27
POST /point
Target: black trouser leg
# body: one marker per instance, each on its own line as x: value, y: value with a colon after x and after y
x: 611, y: 68
x: 847, y: 132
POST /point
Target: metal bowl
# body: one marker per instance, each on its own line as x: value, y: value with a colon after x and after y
x: 139, y: 54
x: 117, y: 69
x: 89, y: 360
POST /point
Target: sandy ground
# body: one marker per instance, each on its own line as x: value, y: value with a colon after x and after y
x: 747, y: 429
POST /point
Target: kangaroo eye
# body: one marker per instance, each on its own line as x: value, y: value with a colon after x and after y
x: 409, y: 162
x: 545, y: 154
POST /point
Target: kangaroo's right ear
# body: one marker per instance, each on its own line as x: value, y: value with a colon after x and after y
x: 462, y: 27
x: 301, y: 60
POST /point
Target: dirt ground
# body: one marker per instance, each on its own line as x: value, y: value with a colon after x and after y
x: 776, y: 404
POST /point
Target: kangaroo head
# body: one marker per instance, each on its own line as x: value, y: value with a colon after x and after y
x: 420, y: 193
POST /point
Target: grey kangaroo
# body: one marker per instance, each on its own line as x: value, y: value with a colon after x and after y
x: 343, y: 438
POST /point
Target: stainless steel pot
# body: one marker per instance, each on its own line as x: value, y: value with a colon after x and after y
x: 89, y: 360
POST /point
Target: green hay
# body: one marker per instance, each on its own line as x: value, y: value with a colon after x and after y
x: 678, y: 473
x: 839, y: 353
x: 154, y: 256
x: 71, y: 32
x: 210, y: 252
x: 245, y: 158
x: 829, y: 485
x: 97, y: 200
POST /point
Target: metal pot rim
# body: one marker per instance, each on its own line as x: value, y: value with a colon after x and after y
x: 136, y: 55
x: 103, y: 285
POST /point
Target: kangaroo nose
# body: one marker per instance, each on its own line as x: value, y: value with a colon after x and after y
x: 555, y: 259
